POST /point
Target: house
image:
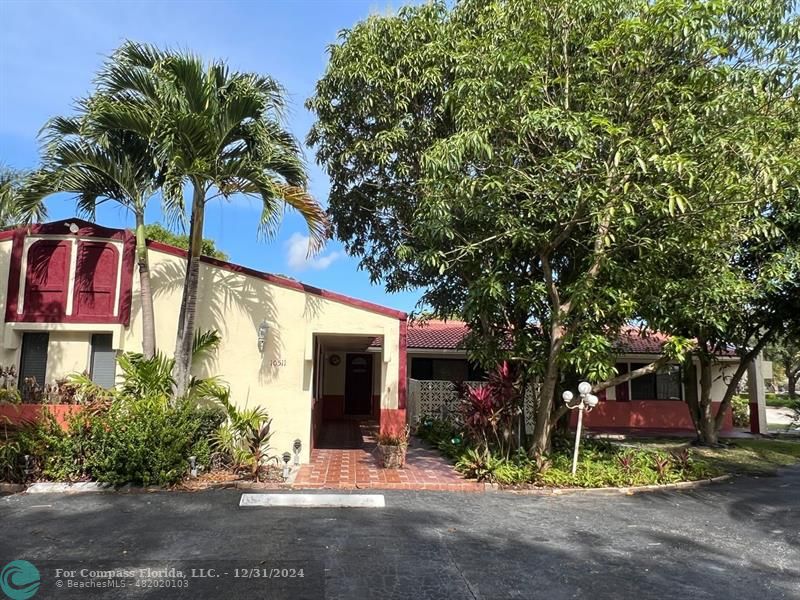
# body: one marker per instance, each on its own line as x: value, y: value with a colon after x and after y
x: 70, y: 303
x: 314, y: 358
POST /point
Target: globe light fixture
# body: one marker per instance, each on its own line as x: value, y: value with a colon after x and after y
x: 587, y: 401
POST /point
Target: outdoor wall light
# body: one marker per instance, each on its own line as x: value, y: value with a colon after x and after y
x: 296, y: 447
x: 286, y: 458
x: 263, y: 329
x: 586, y: 402
x: 193, y: 466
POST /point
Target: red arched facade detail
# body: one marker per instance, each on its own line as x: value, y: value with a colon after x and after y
x: 95, y: 281
x: 97, y: 266
x: 47, y: 280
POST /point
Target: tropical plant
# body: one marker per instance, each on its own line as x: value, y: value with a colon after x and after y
x: 217, y: 131
x: 152, y: 377
x: 105, y: 164
x: 17, y: 207
x: 490, y: 412
x: 529, y: 163
x: 244, y: 438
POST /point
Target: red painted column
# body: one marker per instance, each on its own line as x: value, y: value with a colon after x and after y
x: 754, y: 422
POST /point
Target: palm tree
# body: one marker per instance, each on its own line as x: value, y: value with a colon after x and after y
x: 17, y: 206
x: 100, y: 165
x: 219, y: 133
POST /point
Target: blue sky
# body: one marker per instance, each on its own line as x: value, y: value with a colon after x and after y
x: 51, y: 50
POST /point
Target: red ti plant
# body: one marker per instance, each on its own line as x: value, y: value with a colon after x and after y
x: 490, y: 411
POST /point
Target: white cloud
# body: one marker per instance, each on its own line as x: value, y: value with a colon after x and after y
x: 297, y: 255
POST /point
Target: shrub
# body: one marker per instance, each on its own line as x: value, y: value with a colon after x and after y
x: 489, y: 412
x: 146, y: 441
x: 741, y: 411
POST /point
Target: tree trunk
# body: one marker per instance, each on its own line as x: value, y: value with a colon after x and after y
x: 185, y: 336
x: 145, y: 291
x: 704, y: 417
x: 543, y: 427
x: 791, y: 385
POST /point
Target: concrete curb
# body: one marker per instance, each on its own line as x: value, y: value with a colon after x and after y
x: 11, y: 488
x: 469, y: 487
x: 81, y: 487
x: 610, y: 491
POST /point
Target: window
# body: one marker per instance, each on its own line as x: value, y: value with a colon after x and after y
x: 445, y: 369
x: 33, y: 362
x: 104, y: 360
x: 663, y: 385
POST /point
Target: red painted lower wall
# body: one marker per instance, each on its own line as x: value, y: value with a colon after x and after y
x: 393, y: 421
x: 643, y: 414
x: 316, y: 421
x: 20, y: 413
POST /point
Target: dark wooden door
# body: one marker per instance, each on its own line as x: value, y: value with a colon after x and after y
x: 358, y: 384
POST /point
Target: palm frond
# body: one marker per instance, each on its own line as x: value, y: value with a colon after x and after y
x: 205, y: 343
x: 22, y: 197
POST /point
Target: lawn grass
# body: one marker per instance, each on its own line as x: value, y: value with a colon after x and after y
x: 749, y: 457
x: 752, y: 457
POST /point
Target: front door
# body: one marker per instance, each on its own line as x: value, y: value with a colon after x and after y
x: 358, y: 384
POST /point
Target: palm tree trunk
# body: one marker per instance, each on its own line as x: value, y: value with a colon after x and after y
x: 145, y: 290
x: 183, y: 342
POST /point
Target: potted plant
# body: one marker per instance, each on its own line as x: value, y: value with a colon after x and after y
x: 393, y: 447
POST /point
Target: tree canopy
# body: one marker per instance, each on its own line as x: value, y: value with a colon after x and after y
x: 216, y: 131
x: 532, y: 164
x: 159, y: 233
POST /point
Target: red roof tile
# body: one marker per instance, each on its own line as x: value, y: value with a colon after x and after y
x: 436, y: 335
x: 448, y: 335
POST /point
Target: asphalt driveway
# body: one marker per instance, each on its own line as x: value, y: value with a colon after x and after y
x: 738, y: 539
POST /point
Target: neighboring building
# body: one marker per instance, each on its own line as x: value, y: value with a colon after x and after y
x: 70, y: 303
x: 652, y: 402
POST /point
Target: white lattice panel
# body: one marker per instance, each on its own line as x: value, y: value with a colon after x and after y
x: 438, y: 400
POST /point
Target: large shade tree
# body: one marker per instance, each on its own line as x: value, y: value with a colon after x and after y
x: 734, y: 298
x: 218, y: 133
x: 525, y: 162
x: 107, y: 163
x: 785, y: 352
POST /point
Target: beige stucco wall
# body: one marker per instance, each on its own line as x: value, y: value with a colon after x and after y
x: 280, y: 379
x: 68, y: 352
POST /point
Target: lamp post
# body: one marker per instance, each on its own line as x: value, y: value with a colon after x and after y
x: 586, y: 402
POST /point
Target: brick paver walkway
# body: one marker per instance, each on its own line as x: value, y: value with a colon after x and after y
x: 361, y: 468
